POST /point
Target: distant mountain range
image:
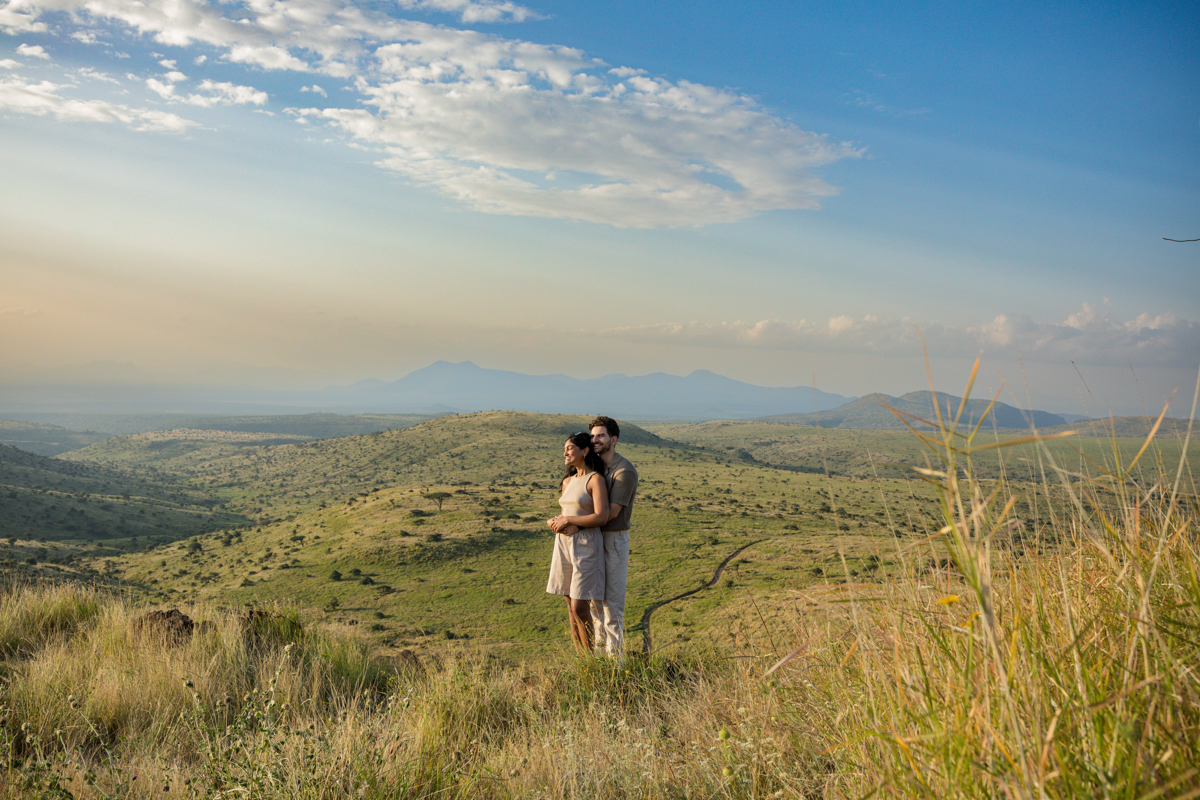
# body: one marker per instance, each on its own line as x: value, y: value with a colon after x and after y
x: 448, y: 388
x: 702, y: 395
x: 872, y: 411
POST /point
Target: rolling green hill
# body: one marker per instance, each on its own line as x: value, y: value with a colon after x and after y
x: 64, y: 513
x: 476, y: 567
x: 868, y: 453
x: 436, y: 532
x: 280, y: 480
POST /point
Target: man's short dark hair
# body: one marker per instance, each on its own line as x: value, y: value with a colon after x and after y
x: 609, y: 424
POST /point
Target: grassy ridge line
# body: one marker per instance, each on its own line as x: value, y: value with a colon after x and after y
x: 45, y: 440
x: 868, y: 453
x: 309, y: 426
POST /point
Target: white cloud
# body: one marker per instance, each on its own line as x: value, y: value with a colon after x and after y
x: 42, y: 99
x: 474, y: 10
x: 15, y: 20
x: 477, y: 117
x: 87, y: 37
x: 32, y: 51
x: 1088, y: 337
x: 267, y: 57
x: 167, y: 62
x: 198, y: 60
x: 315, y: 90
x: 88, y: 72
x: 165, y: 90
x: 226, y: 94
x: 8, y: 63
x: 211, y: 93
x: 503, y: 125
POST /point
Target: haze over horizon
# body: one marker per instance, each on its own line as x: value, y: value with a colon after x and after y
x: 300, y: 193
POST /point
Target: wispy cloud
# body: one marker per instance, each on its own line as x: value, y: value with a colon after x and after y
x: 475, y: 10
x: 211, y: 93
x: 42, y: 99
x: 517, y: 128
x: 1090, y: 336
x: 863, y: 99
x: 503, y: 125
x: 88, y: 72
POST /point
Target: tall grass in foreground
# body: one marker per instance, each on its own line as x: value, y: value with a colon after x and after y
x: 1070, y: 671
x: 1063, y: 667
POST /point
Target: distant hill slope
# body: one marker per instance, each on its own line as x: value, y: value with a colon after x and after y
x: 1136, y: 427
x: 45, y: 440
x: 700, y: 395
x: 57, y: 500
x: 870, y: 412
x: 177, y: 446
x: 270, y: 481
x: 869, y: 454
x: 309, y: 426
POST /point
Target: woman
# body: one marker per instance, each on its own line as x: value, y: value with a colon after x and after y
x: 577, y: 567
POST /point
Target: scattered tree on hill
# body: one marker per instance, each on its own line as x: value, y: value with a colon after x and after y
x: 335, y: 576
x: 437, y: 497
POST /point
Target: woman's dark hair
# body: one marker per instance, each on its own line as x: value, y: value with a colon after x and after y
x: 583, y: 441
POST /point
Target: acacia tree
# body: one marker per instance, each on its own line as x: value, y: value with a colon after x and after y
x: 437, y: 497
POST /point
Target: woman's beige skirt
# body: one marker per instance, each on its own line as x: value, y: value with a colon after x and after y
x: 577, y: 566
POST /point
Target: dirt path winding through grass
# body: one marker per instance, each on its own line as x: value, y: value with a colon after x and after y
x: 716, y: 577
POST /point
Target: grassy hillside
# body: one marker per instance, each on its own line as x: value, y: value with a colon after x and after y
x: 871, y: 412
x: 477, y: 565
x: 963, y: 661
x: 279, y: 481
x: 1126, y: 427
x: 418, y: 571
x: 868, y: 453
x: 64, y: 519
x: 57, y: 500
x: 45, y: 440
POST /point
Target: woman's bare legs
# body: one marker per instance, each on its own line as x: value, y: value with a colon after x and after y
x: 582, y: 626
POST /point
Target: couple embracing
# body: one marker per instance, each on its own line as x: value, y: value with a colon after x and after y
x: 591, y: 543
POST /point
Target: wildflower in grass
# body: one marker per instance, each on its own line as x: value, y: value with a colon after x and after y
x: 948, y: 600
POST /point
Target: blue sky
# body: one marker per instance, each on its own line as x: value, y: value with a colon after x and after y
x: 305, y: 192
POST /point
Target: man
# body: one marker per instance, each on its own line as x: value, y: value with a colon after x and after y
x: 622, y: 480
